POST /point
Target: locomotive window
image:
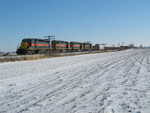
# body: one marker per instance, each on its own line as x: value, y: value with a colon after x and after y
x: 28, y: 41
x: 23, y: 40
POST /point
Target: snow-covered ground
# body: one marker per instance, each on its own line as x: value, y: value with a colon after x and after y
x: 117, y: 82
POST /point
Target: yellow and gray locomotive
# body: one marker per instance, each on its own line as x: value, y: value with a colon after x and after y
x: 33, y: 46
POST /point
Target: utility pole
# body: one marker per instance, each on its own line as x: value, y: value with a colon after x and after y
x: 113, y: 47
x: 123, y: 45
x: 49, y: 41
x: 88, y: 43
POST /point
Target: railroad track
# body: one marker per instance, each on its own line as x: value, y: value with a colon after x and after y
x: 15, y: 57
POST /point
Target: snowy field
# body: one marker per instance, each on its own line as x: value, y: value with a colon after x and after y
x: 117, y: 82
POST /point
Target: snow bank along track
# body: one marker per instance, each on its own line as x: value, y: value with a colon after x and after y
x: 116, y: 82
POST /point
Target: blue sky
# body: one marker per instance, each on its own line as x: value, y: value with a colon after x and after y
x: 98, y: 21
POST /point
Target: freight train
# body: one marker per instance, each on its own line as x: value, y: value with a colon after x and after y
x: 37, y: 46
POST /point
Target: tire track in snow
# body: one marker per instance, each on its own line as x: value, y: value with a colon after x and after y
x: 88, y: 86
x: 38, y: 85
x: 81, y: 94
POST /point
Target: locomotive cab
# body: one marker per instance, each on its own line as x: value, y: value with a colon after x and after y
x: 22, y: 49
x: 25, y: 43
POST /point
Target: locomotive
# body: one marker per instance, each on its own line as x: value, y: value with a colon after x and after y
x: 37, y: 46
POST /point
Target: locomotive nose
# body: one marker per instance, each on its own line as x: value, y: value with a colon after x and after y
x: 24, y: 45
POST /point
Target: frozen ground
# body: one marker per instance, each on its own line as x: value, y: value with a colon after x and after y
x: 116, y: 82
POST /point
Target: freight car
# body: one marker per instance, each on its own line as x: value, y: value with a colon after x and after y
x: 37, y: 46
x: 113, y: 48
